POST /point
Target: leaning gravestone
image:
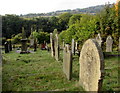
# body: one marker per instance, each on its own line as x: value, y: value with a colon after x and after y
x: 109, y: 42
x: 91, y: 66
x: 6, y: 47
x: 99, y: 39
x: 24, y: 42
x: 56, y: 47
x: 52, y: 45
x: 73, y: 47
x: 67, y: 61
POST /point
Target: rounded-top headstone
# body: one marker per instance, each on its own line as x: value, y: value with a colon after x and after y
x: 91, y: 66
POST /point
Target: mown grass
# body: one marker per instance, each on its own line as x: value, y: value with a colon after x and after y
x: 37, y: 72
x: 40, y: 72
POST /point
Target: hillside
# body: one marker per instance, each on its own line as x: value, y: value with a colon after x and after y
x: 91, y: 10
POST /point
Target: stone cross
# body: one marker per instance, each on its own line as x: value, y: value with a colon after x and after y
x: 109, y: 42
x: 91, y: 66
x: 73, y: 47
x: 6, y: 47
x: 56, y: 46
x: 67, y: 61
x: 52, y: 45
x: 99, y: 39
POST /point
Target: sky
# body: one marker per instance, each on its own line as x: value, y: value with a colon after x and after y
x: 43, y: 6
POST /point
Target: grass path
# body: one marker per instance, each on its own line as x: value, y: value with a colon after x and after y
x: 40, y: 72
x: 36, y: 72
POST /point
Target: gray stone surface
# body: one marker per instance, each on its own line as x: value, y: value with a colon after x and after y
x: 91, y: 66
x: 76, y: 46
x: 73, y: 46
x: 99, y: 39
x: 56, y: 47
x: 23, y: 42
x: 109, y: 42
x: 67, y: 61
x: 52, y: 45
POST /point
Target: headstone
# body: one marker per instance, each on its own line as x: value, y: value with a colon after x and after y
x: 24, y: 43
x: 31, y: 42
x: 109, y: 42
x: 56, y: 47
x: 99, y: 39
x: 73, y: 47
x: 91, y: 66
x: 119, y: 45
x: 76, y: 46
x: 6, y: 47
x: 10, y: 45
x: 67, y: 61
x: 35, y: 44
x: 52, y: 45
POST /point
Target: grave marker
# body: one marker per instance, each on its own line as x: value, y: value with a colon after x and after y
x: 67, y: 61
x: 99, y: 39
x: 91, y: 66
x: 73, y: 47
x: 109, y: 42
x: 52, y: 45
x: 6, y: 45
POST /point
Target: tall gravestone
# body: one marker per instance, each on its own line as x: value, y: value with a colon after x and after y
x: 24, y: 42
x: 35, y: 44
x: 56, y: 47
x: 67, y: 61
x: 109, y: 42
x: 119, y: 45
x: 6, y: 45
x: 52, y: 45
x: 73, y: 47
x: 99, y: 39
x: 76, y: 46
x: 91, y: 66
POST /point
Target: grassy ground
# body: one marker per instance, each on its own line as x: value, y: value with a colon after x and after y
x: 40, y: 72
x: 36, y: 72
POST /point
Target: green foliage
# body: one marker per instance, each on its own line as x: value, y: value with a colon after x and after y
x: 74, y: 18
x: 43, y: 36
x: 17, y: 38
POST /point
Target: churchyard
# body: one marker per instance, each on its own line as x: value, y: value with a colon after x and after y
x: 61, y: 69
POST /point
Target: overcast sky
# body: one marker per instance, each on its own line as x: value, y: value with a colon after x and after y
x: 43, y: 6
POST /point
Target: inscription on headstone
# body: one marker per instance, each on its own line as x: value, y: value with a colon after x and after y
x: 67, y: 61
x: 109, y: 42
x: 91, y: 66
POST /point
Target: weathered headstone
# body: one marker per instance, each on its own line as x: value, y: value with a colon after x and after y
x: 24, y: 42
x: 76, y: 46
x: 119, y: 45
x: 6, y: 47
x: 99, y: 39
x: 109, y: 42
x: 52, y: 45
x: 67, y: 61
x: 73, y: 47
x: 10, y: 45
x: 56, y: 47
x: 35, y: 44
x: 91, y: 66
